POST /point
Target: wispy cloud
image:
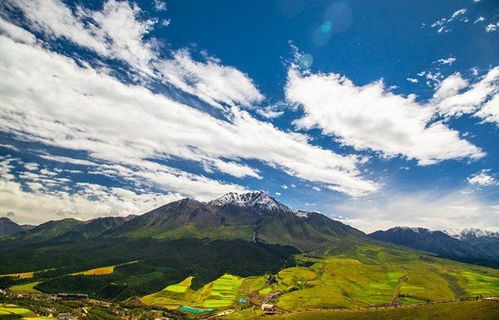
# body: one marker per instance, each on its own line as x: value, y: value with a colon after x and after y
x: 113, y: 114
x: 444, y: 25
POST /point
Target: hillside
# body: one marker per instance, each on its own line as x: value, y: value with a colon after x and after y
x: 441, y: 244
x: 9, y: 227
x: 252, y: 216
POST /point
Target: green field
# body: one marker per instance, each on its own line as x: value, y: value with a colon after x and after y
x: 466, y: 310
x: 365, y: 276
x: 27, y: 287
x: 10, y: 311
x: 362, y: 276
x: 220, y: 293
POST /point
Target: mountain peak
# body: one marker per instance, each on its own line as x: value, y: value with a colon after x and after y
x: 257, y: 199
x: 469, y: 233
x: 413, y: 229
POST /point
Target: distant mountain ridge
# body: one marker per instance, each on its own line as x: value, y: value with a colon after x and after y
x: 9, y: 227
x: 471, y: 233
x: 470, y: 246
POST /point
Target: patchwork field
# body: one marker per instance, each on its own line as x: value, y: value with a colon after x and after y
x: 220, y: 293
x: 358, y: 277
x: 363, y: 277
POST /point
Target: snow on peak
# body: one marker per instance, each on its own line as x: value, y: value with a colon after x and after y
x: 258, y: 199
x: 413, y: 229
x: 468, y: 233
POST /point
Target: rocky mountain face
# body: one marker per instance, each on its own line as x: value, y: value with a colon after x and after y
x: 464, y: 248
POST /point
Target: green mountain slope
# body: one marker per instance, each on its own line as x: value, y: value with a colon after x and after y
x: 267, y: 221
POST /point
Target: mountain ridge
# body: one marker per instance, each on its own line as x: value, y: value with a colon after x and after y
x: 442, y: 244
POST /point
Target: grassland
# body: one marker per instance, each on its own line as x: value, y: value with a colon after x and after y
x: 365, y: 276
x: 11, y: 312
x: 26, y: 287
x: 464, y: 310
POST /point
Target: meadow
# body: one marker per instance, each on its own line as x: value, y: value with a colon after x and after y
x: 463, y: 310
x: 12, y: 312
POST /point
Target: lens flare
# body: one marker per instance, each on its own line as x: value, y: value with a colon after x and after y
x: 306, y: 61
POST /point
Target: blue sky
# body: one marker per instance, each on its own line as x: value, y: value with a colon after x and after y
x: 374, y: 114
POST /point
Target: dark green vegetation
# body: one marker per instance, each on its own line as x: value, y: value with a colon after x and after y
x: 161, y: 262
x: 465, y: 310
x: 483, y: 251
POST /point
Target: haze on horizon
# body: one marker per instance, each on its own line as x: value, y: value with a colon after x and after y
x: 375, y: 115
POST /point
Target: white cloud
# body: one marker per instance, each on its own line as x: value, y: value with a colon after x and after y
x: 127, y: 124
x: 16, y: 33
x: 87, y: 202
x: 118, y: 32
x: 370, y: 117
x: 456, y: 96
x: 448, y: 61
x: 160, y: 5
x: 413, y: 80
x: 483, y: 178
x: 491, y: 27
x: 317, y: 189
x: 428, y: 209
x: 210, y: 81
x: 443, y: 25
x: 31, y: 166
x: 284, y: 186
x: 489, y: 112
x: 479, y: 19
x: 277, y: 193
x: 269, y: 113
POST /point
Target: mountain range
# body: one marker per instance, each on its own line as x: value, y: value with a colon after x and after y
x: 254, y: 216
x: 469, y: 245
x: 257, y: 217
x: 249, y: 235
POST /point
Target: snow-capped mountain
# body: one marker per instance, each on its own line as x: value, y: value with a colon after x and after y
x: 259, y: 200
x: 471, y: 233
x: 253, y: 216
x: 470, y: 245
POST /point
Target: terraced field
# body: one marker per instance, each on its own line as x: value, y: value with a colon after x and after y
x: 223, y: 292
